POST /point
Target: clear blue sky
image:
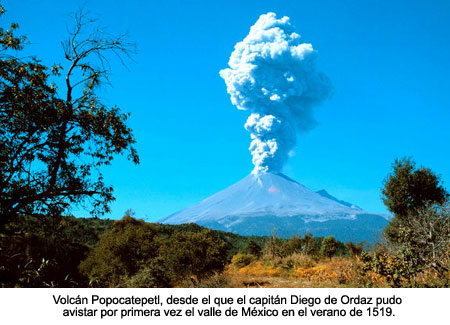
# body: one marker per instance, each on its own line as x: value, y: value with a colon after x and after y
x: 388, y: 61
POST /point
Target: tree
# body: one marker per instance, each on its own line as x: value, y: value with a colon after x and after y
x: 407, y: 190
x: 425, y: 236
x: 53, y: 142
x: 419, y: 233
x: 276, y: 246
x: 136, y: 253
x: 253, y: 248
x: 194, y: 254
x: 121, y: 252
x: 355, y: 249
x: 329, y: 246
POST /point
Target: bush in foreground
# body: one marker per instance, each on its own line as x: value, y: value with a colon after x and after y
x: 139, y: 254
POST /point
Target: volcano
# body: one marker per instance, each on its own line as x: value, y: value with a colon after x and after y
x: 260, y: 204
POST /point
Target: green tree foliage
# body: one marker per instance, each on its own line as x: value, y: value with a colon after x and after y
x: 329, y: 246
x: 85, y: 231
x: 53, y: 141
x: 121, y: 252
x: 154, y: 274
x: 307, y: 245
x: 281, y: 247
x: 196, y: 255
x: 419, y: 233
x: 310, y: 245
x: 136, y: 253
x: 296, y: 244
x: 419, y: 203
x: 253, y: 248
x: 407, y: 190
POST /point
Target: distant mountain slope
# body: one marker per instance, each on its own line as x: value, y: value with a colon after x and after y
x: 331, y: 197
x: 260, y: 204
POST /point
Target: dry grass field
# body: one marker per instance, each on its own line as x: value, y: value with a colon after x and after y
x: 302, y: 271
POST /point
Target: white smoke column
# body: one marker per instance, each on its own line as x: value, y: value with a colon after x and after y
x: 273, y: 75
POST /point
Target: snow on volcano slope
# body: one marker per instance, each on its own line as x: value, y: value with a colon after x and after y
x: 260, y: 204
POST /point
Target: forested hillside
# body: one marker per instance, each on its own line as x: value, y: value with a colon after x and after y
x: 92, y: 252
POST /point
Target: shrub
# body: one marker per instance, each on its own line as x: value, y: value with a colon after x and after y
x: 288, y: 264
x: 121, y: 252
x: 355, y: 249
x: 397, y: 269
x: 276, y: 246
x: 329, y: 246
x: 241, y: 260
x: 154, y: 275
x: 217, y: 280
x: 295, y: 244
x: 426, y: 237
x: 253, y: 248
x: 310, y: 246
x: 194, y: 254
x: 30, y: 260
x: 301, y: 260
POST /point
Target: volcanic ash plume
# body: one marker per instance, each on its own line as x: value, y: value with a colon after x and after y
x: 273, y: 75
